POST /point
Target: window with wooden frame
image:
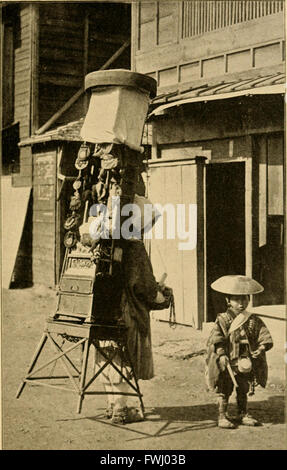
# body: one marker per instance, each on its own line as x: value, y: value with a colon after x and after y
x: 203, y: 16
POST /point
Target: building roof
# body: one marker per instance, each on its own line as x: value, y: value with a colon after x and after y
x: 262, y: 84
x: 67, y: 132
x: 273, y: 83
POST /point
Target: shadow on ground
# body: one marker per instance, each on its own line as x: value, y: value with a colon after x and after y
x: 167, y: 421
x: 268, y: 411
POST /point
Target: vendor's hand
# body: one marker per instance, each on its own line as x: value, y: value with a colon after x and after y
x: 222, y: 362
x: 258, y: 351
x: 161, y: 287
x: 159, y: 298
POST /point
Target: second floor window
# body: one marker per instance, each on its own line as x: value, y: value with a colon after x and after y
x: 199, y: 17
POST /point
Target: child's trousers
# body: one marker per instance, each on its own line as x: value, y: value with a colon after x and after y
x: 225, y: 389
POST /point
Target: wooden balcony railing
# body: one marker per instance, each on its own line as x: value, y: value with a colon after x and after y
x: 199, y: 17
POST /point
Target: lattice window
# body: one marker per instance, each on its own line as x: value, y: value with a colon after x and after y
x: 200, y: 17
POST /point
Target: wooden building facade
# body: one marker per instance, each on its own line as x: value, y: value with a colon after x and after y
x: 53, y: 157
x: 217, y: 130
x: 220, y: 71
x: 48, y: 48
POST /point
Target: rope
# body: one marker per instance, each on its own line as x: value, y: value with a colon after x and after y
x: 172, y: 319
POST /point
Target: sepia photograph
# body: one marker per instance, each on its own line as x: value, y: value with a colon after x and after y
x: 143, y: 228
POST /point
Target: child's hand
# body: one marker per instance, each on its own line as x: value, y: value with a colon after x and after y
x: 258, y: 351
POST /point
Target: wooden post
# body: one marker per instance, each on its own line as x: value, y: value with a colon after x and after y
x: 248, y: 218
x: 86, y: 56
x: 134, y: 34
x: 204, y: 246
x: 34, y: 116
x: 157, y: 23
x: 200, y: 247
x: 58, y: 221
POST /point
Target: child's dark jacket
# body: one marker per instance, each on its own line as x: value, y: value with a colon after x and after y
x: 221, y: 342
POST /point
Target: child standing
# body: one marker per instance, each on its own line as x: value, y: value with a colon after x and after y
x: 236, y: 349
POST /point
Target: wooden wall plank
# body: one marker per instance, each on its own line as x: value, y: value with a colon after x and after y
x: 41, y: 236
x: 22, y: 72
x: 18, y: 181
x: 44, y: 178
x: 189, y: 257
x: 61, y: 81
x: 59, y: 67
x: 265, y: 29
x: 172, y: 254
x: 43, y: 273
x: 204, y: 123
x: 61, y: 43
x: 57, y: 53
x: 182, y: 267
x: 44, y: 197
x: 7, y: 84
x: 46, y: 217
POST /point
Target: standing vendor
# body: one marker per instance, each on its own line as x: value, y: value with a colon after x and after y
x: 236, y: 349
x: 140, y: 293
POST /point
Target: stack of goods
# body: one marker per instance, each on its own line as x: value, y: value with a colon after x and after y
x: 109, y: 165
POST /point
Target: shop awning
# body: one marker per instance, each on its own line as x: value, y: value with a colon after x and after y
x: 14, y: 204
x: 262, y: 85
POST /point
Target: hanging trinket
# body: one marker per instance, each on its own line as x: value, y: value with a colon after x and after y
x: 82, y: 160
x: 77, y: 184
x: 72, y: 222
x: 75, y: 203
x: 70, y: 239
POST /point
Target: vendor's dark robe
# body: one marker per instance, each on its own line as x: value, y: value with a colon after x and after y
x: 140, y: 290
x: 257, y: 333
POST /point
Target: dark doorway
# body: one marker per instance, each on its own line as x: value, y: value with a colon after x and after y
x: 225, y: 227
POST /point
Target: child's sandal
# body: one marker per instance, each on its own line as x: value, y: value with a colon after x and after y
x: 248, y: 420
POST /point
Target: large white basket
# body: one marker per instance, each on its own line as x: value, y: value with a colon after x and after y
x: 118, y: 107
x: 116, y: 114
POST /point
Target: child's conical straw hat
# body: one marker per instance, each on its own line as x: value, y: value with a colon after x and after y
x: 237, y: 285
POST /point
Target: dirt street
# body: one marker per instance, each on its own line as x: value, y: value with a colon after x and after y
x: 180, y: 413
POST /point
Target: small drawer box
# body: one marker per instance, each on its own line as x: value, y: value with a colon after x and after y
x: 76, y: 285
x: 75, y: 305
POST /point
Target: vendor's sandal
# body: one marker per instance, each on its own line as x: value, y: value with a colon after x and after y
x: 233, y: 419
x: 225, y: 423
x: 127, y: 415
x: 120, y: 416
x: 248, y: 420
x: 109, y: 411
x: 135, y: 415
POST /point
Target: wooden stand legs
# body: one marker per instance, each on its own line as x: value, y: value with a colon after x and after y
x: 81, y: 336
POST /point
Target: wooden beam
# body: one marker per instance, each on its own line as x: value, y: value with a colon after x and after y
x: 77, y: 95
x: 114, y: 39
x: 64, y: 108
x: 86, y: 56
x: 116, y: 55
